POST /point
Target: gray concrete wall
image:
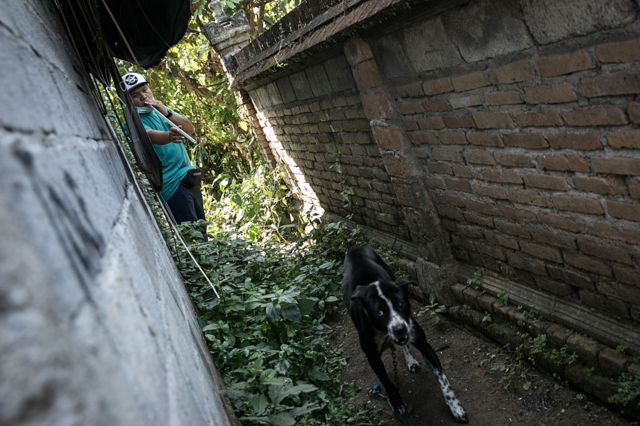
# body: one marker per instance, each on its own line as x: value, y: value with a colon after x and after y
x: 95, y: 325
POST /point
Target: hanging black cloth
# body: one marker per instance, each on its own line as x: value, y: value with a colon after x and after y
x: 150, y: 27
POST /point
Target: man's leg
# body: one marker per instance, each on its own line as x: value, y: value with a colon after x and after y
x: 183, y: 205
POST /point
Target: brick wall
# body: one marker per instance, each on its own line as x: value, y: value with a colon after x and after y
x: 510, y: 126
x: 316, y: 125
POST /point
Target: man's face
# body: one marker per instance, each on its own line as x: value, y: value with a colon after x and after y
x: 141, y: 95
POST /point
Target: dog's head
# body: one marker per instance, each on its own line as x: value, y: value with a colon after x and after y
x: 386, y: 304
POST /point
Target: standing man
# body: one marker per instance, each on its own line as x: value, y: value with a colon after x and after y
x: 180, y: 180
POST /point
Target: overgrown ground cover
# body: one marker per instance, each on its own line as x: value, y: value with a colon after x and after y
x: 278, y: 283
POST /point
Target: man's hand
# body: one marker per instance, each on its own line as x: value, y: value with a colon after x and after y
x: 175, y: 135
x: 157, y: 105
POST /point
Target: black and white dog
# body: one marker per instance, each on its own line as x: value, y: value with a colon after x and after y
x: 379, y: 307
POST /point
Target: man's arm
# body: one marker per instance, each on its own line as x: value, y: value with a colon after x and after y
x: 177, y: 119
x: 160, y: 137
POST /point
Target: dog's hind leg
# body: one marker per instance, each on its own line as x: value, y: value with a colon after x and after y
x: 420, y: 342
x: 412, y: 364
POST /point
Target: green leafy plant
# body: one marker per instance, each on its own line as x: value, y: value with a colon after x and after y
x: 628, y: 390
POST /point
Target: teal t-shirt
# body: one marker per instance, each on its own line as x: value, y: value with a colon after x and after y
x: 173, y: 156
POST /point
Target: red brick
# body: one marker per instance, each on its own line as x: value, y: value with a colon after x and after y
x: 619, y: 52
x: 555, y: 287
x: 513, y: 72
x: 577, y: 204
x: 452, y: 138
x: 551, y: 94
x: 439, y: 168
x: 464, y: 171
x: 625, y: 139
x: 458, y: 121
x: 491, y: 191
x: 484, y: 139
x: 539, y: 119
x: 507, y: 242
x: 452, y: 213
x: 434, y: 122
x: 605, y: 304
x: 503, y: 98
x: 479, y: 156
x: 580, y: 141
x: 600, y: 115
x: 541, y: 251
x: 558, y: 335
x: 627, y: 234
x: 435, y: 105
x: 423, y: 138
x: 554, y: 65
x: 435, y: 87
x: 442, y: 153
x: 613, y: 362
x: 599, y: 185
x: 633, y: 109
x: 564, y: 163
x: 555, y: 238
x: 626, y: 275
x: 525, y: 140
x: 526, y: 263
x: 412, y: 106
x: 619, y: 83
x: 634, y: 189
x: 513, y: 159
x: 624, y: 210
x: 465, y: 101
x: 460, y: 185
x: 470, y: 81
x: 616, y: 165
x: 519, y: 214
x: 556, y: 183
x: 586, y: 263
x: 410, y: 90
x: 586, y: 348
x: 502, y: 176
x: 493, y: 120
x: 628, y: 293
x: 531, y: 197
x: 604, y: 251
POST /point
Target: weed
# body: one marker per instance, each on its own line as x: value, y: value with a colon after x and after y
x: 434, y: 308
x: 475, y: 280
x: 628, y: 390
x: 503, y: 298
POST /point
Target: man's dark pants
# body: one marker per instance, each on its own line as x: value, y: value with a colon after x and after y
x: 186, y: 204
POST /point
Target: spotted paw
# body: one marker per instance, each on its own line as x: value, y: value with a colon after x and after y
x: 415, y: 367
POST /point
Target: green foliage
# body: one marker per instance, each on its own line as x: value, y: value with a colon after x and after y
x: 257, y: 203
x: 475, y: 280
x: 267, y: 332
x: 628, y: 390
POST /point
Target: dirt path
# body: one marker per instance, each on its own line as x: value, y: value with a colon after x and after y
x: 492, y: 385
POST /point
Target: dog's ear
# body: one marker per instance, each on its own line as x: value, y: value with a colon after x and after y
x: 404, y: 281
x: 359, y: 293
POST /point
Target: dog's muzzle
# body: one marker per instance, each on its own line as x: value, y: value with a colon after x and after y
x: 400, y: 334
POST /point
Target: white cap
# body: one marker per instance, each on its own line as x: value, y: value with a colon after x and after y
x: 132, y: 80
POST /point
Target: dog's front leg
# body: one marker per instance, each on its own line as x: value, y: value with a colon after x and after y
x: 375, y: 361
x: 420, y: 342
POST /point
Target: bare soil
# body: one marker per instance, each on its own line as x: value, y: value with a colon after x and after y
x: 494, y: 387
